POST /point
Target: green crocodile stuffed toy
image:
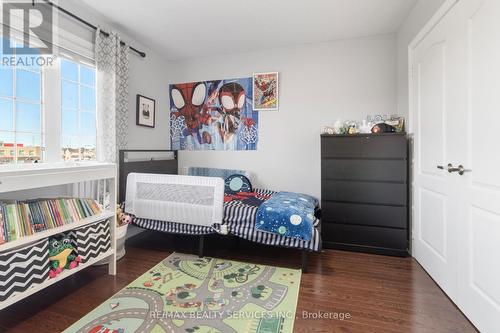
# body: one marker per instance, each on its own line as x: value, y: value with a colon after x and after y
x: 62, y: 254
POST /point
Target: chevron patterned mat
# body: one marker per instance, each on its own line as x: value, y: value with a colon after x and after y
x: 185, y: 293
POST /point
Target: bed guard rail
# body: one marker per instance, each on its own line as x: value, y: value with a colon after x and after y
x: 182, y: 199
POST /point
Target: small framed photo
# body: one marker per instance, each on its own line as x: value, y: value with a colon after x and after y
x: 145, y: 111
x: 265, y: 91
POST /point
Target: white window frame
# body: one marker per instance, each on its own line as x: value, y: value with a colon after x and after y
x: 81, y: 45
x: 52, y: 112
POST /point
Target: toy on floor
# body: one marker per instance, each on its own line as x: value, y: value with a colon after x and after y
x: 62, y: 255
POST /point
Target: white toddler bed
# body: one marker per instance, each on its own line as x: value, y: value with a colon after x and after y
x: 195, y: 205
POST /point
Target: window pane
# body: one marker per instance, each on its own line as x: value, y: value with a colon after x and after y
x: 27, y: 85
x: 78, y: 139
x: 88, y: 150
x: 69, y: 122
x: 88, y: 141
x: 6, y: 81
x: 69, y: 70
x: 87, y: 76
x: 28, y: 60
x: 6, y: 115
x: 87, y: 123
x: 70, y: 148
x: 30, y: 144
x: 6, y: 137
x: 29, y: 139
x: 28, y: 117
x: 87, y: 99
x: 69, y: 95
x: 6, y: 147
x: 69, y: 141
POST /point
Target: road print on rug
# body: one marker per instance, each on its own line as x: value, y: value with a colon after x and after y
x: 184, y: 293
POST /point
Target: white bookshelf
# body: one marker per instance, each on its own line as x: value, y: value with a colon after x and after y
x: 16, y: 179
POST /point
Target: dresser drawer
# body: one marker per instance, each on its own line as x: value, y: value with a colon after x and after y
x: 341, y: 147
x: 365, y: 236
x: 386, y: 146
x: 358, y: 169
x: 369, y: 146
x: 364, y: 192
x: 360, y: 214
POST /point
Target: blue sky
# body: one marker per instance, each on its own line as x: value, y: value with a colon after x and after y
x: 78, y: 120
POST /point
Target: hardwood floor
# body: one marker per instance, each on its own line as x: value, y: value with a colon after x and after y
x: 380, y: 294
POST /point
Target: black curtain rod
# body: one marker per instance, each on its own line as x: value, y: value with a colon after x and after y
x: 90, y: 25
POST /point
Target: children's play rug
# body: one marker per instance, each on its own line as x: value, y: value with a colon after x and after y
x: 185, y: 293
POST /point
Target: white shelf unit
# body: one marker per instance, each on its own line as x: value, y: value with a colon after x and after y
x: 15, y: 179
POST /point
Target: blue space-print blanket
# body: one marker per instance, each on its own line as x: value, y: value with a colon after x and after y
x: 288, y: 214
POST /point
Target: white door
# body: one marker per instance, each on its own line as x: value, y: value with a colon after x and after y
x: 456, y: 108
x: 479, y: 242
x: 435, y: 74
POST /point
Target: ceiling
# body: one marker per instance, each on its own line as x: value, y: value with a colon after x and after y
x: 181, y: 29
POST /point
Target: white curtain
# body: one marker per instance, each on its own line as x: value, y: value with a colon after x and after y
x: 112, y: 62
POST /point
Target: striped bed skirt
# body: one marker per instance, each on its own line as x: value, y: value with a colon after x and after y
x: 240, y: 220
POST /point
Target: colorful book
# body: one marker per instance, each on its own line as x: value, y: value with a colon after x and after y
x: 25, y: 218
x: 3, y: 236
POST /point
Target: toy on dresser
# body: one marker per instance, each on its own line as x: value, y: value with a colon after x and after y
x: 62, y: 254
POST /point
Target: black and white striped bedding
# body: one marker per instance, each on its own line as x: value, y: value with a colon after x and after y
x: 240, y: 220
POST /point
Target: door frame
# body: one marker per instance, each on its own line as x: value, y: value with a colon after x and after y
x: 434, y: 20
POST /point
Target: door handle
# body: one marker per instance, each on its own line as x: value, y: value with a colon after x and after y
x: 460, y: 169
x: 448, y: 168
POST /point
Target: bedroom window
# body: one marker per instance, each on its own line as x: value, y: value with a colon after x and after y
x: 47, y: 112
x: 78, y: 111
x: 21, y: 113
x: 28, y: 131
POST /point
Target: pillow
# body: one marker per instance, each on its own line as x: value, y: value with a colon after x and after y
x: 237, y: 183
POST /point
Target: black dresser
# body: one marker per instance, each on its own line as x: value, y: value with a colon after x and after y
x: 364, y: 192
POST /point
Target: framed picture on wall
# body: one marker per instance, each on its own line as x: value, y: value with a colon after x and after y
x: 145, y: 111
x: 265, y: 91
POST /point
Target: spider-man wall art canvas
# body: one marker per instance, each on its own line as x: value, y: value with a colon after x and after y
x: 213, y: 115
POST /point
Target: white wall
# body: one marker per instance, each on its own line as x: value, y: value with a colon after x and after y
x: 418, y: 17
x: 319, y: 83
x: 150, y: 77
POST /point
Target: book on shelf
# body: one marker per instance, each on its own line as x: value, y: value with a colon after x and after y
x: 26, y: 218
